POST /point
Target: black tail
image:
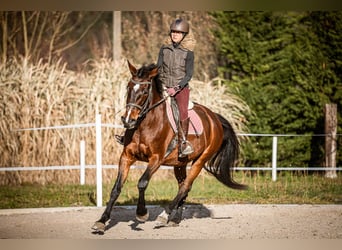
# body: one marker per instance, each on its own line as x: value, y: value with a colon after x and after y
x: 222, y: 163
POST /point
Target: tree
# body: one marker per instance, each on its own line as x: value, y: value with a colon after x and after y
x: 46, y: 36
x: 274, y: 62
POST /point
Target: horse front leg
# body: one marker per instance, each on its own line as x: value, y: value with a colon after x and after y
x: 142, y: 212
x: 124, y: 166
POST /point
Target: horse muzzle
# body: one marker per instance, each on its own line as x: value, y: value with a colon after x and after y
x: 128, y: 123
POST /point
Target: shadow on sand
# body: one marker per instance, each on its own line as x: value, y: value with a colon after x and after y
x: 127, y: 214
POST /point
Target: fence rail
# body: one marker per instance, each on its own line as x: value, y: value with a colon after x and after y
x: 98, y: 133
x: 78, y: 167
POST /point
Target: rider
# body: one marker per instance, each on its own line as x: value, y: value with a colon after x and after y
x: 176, y: 64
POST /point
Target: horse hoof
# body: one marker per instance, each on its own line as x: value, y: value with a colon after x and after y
x: 143, y: 218
x: 172, y: 224
x: 99, y: 227
x: 163, y: 218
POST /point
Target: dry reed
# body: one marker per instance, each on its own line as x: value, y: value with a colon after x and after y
x: 44, y: 95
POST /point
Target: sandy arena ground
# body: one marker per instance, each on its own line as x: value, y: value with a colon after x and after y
x: 238, y: 221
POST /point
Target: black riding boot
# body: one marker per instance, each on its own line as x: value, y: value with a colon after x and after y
x: 184, y: 146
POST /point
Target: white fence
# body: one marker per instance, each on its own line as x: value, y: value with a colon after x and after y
x: 98, y: 126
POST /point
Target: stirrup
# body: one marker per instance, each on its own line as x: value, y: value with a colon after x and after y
x: 119, y: 139
x: 186, y: 149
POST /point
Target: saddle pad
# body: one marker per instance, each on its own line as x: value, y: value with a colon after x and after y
x: 195, y: 124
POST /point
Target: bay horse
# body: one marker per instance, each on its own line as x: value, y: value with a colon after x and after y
x: 148, y: 137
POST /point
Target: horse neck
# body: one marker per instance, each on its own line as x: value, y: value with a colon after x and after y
x: 157, y: 105
x: 156, y: 97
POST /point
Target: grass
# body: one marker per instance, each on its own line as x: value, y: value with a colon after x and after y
x: 288, y: 189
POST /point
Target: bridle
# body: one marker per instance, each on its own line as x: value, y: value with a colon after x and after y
x: 145, y: 107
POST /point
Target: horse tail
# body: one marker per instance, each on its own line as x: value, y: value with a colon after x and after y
x: 222, y: 163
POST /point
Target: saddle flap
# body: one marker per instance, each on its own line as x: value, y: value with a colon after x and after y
x: 195, y: 126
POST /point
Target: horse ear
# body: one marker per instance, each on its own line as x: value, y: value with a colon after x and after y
x: 153, y: 72
x: 132, y: 68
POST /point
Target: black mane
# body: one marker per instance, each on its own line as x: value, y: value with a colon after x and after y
x: 144, y: 71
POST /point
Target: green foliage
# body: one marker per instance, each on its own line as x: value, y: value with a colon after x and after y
x: 286, y: 66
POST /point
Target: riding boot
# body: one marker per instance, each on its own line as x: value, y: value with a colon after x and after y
x: 120, y: 139
x: 184, y: 146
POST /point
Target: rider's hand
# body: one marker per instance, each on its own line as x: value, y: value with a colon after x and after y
x: 172, y: 91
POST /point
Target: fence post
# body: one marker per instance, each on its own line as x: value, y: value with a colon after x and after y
x: 98, y: 161
x: 82, y: 162
x: 330, y: 139
x: 274, y: 158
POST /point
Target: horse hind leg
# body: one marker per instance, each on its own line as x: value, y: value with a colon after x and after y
x: 169, y: 217
x: 175, y: 219
x: 172, y: 215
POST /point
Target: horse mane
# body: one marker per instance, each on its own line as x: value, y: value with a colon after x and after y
x: 144, y: 71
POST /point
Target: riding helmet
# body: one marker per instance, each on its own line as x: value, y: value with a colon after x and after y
x: 180, y: 25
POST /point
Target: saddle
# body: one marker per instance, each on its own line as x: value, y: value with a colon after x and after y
x: 195, y: 126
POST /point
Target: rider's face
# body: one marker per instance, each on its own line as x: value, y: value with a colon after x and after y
x: 176, y: 36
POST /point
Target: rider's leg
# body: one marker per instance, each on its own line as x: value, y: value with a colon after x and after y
x: 182, y: 99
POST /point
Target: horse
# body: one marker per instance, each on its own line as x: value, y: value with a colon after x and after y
x: 149, y: 138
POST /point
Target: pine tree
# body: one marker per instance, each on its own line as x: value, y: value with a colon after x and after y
x: 275, y: 62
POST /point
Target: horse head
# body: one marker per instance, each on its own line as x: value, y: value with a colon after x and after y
x: 139, y: 94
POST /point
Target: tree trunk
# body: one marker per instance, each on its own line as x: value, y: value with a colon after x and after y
x: 116, y: 35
